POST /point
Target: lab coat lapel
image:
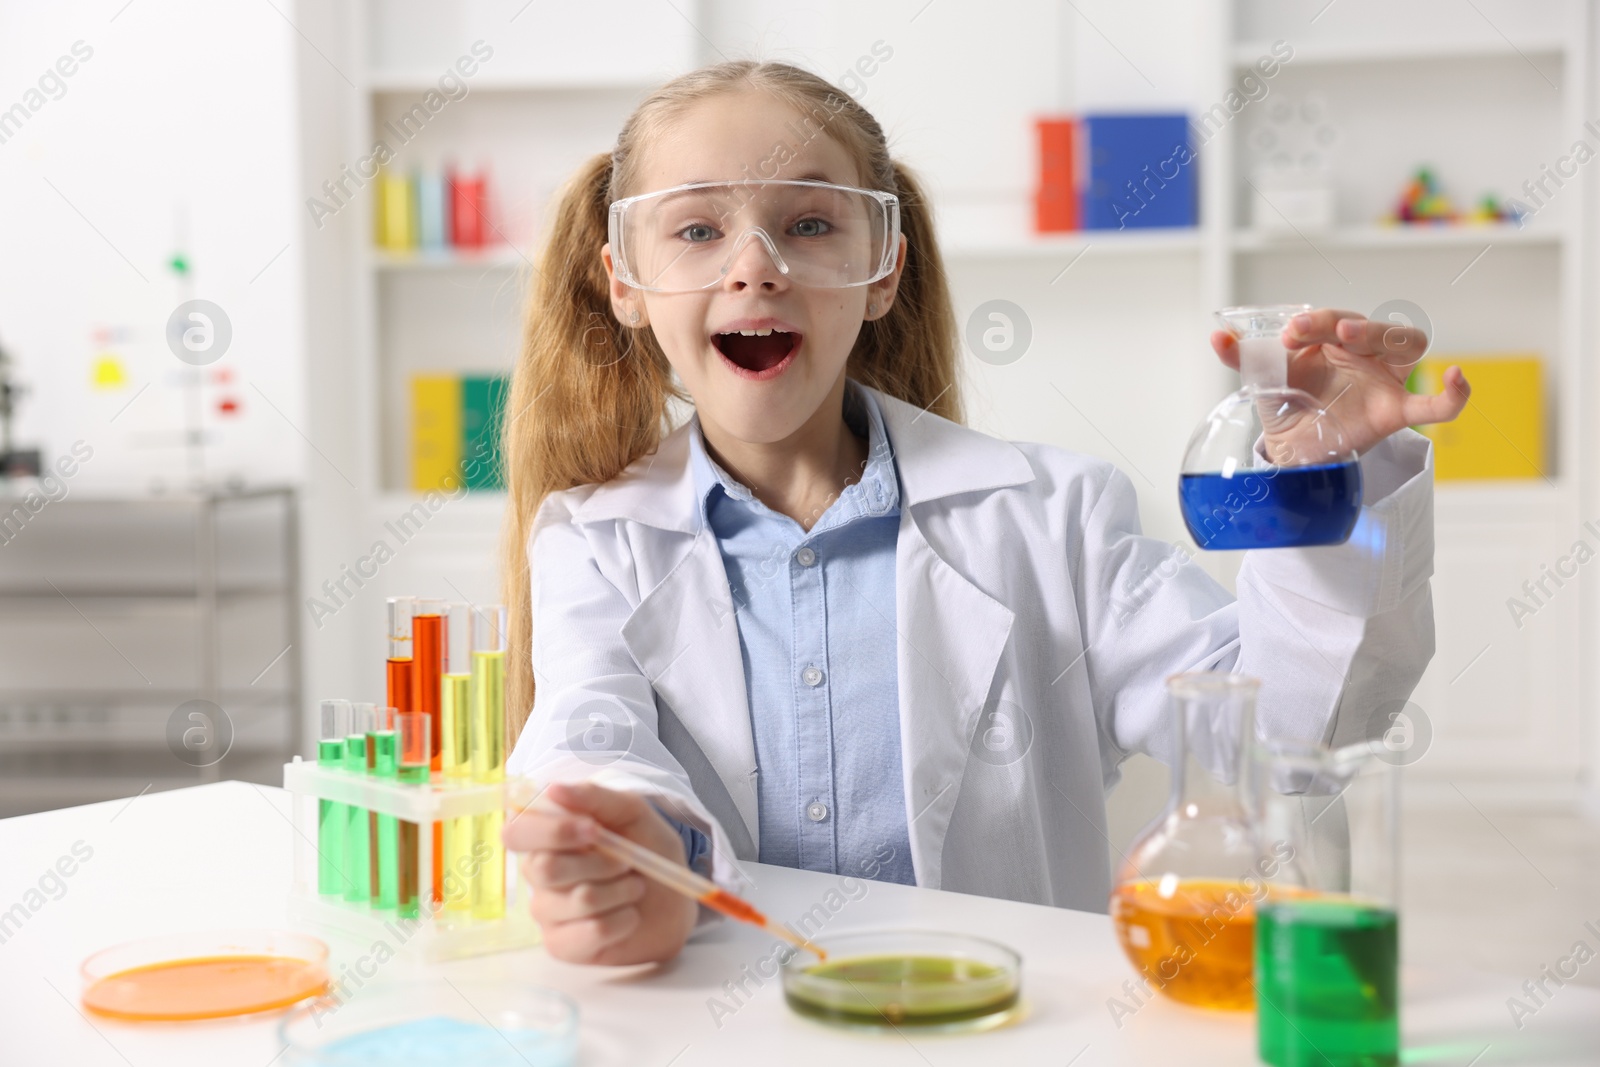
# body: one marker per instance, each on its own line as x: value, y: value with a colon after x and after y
x: 685, y: 637
x: 951, y: 633
x: 950, y: 644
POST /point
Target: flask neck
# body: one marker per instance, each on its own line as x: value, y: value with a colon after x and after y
x: 1213, y: 731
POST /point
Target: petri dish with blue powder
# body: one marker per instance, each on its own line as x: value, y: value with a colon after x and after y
x: 435, y: 1024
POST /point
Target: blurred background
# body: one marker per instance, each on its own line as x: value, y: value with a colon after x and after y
x: 264, y: 263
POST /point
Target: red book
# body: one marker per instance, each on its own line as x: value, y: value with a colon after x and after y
x: 469, y: 205
x: 1055, y: 200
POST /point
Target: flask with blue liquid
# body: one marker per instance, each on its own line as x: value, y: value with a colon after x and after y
x: 1269, y: 467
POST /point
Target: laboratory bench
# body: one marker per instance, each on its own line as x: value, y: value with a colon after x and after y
x: 220, y: 856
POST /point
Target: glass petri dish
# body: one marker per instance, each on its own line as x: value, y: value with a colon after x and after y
x: 211, y: 974
x: 925, y: 980
x: 435, y: 1023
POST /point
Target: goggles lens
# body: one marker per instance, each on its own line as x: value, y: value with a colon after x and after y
x: 818, y: 235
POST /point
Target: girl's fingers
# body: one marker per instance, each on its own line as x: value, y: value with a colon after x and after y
x: 1418, y: 409
x: 1317, y: 327
x: 551, y: 869
x: 1226, y: 347
x: 534, y: 831
x: 588, y: 900
x: 586, y: 938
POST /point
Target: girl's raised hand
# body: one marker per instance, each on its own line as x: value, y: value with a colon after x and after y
x: 590, y: 907
x: 1357, y: 369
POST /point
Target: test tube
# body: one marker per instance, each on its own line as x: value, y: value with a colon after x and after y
x: 455, y: 755
x: 401, y: 666
x: 358, y: 838
x: 383, y: 763
x: 416, y: 736
x: 487, y: 743
x: 333, y: 818
x: 428, y: 650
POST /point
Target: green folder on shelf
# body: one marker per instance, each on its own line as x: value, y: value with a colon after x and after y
x: 455, y: 431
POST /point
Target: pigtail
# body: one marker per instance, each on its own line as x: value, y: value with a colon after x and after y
x: 588, y: 396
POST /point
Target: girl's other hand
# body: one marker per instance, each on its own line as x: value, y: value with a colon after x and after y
x: 592, y: 908
x: 1357, y: 368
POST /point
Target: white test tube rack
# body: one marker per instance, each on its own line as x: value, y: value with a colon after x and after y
x: 437, y: 933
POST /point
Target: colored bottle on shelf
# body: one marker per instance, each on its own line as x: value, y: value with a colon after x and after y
x: 358, y: 838
x: 333, y: 818
x: 428, y: 652
x: 455, y: 756
x: 469, y: 205
x: 486, y: 739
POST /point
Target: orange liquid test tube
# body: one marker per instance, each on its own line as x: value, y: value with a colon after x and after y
x: 428, y: 653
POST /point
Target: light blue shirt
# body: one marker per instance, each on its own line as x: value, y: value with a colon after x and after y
x: 816, y: 616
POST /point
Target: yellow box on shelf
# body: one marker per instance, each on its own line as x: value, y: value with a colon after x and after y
x: 435, y: 432
x: 1501, y: 433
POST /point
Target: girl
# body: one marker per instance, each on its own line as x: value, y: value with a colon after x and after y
x: 820, y: 623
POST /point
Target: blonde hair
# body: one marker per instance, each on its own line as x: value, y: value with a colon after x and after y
x: 589, y: 395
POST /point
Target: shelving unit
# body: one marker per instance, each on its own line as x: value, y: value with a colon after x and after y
x: 210, y: 615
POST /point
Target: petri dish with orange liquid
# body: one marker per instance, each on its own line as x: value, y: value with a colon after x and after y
x: 204, y: 975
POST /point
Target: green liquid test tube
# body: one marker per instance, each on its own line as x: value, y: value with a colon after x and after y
x: 416, y: 740
x: 383, y: 763
x: 455, y: 759
x: 1327, y: 983
x: 358, y: 838
x: 333, y: 818
x: 487, y: 741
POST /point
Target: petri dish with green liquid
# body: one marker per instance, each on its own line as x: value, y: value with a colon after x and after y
x: 923, y: 980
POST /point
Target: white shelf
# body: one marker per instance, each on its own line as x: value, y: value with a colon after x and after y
x: 1178, y: 239
x: 424, y: 81
x: 1337, y: 53
x: 491, y: 257
x: 1397, y: 237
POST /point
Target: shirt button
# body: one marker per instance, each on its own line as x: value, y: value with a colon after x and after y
x: 816, y: 811
x: 812, y: 676
x: 806, y: 557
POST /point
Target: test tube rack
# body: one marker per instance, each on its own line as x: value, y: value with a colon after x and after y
x: 436, y: 934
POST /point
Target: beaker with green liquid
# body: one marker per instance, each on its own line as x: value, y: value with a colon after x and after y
x: 1327, y: 954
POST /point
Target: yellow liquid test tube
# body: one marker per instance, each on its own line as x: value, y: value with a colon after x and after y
x: 455, y: 756
x: 487, y: 741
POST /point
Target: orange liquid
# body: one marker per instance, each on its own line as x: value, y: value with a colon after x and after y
x: 206, y: 987
x: 1196, y: 945
x: 734, y: 908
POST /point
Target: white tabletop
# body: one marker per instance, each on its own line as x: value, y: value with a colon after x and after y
x: 219, y: 856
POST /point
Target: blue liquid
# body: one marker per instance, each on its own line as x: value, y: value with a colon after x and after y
x: 440, y: 1041
x: 1274, y: 507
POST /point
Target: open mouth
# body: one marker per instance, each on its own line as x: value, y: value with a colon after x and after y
x: 759, y: 353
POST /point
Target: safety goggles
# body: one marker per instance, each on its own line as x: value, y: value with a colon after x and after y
x: 819, y: 235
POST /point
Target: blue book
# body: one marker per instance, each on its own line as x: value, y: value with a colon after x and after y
x: 430, y: 209
x: 1141, y: 172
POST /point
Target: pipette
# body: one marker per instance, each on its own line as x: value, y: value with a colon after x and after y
x: 672, y: 875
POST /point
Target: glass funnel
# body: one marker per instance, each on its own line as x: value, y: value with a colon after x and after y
x: 1269, y: 467
x: 1327, y: 930
x: 1183, y: 904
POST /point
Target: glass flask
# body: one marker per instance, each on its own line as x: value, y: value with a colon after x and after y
x: 1184, y: 899
x: 1327, y: 961
x: 1269, y: 467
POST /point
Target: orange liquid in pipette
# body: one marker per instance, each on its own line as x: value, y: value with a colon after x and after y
x: 734, y: 908
x: 206, y: 987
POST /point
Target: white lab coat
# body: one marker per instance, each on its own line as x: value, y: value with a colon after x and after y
x: 1021, y: 582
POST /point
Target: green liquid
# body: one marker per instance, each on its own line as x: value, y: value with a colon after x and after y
x: 333, y: 819
x: 410, y: 854
x: 1327, y: 984
x: 358, y: 836
x: 904, y: 991
x: 384, y: 747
